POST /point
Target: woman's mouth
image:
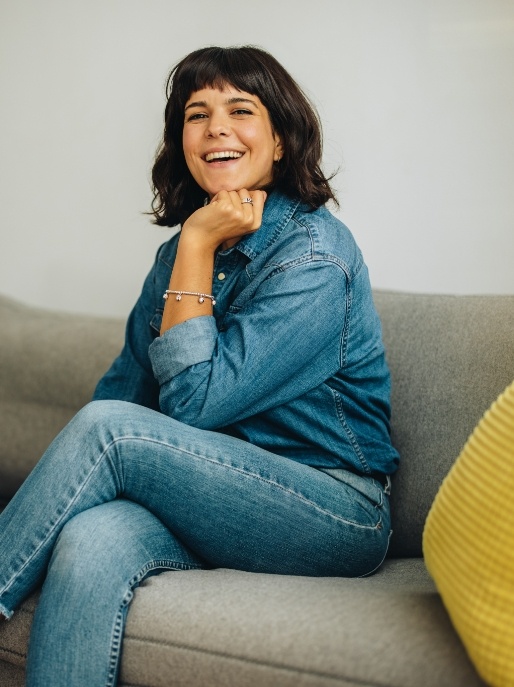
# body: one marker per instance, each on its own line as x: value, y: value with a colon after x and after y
x: 223, y: 156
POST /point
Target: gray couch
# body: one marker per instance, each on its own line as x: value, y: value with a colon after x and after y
x: 450, y: 357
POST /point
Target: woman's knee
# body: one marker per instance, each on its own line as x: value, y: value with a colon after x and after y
x: 116, y: 540
x: 101, y: 412
x: 87, y: 541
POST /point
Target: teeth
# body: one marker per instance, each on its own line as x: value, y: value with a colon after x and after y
x: 224, y: 154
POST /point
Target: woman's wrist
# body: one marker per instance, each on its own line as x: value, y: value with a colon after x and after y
x: 192, y: 274
x: 194, y: 239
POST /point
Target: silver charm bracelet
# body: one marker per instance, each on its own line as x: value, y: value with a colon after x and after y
x: 178, y: 296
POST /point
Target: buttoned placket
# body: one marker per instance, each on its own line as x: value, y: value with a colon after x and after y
x: 223, y: 273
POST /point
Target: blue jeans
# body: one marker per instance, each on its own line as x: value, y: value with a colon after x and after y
x: 125, y: 492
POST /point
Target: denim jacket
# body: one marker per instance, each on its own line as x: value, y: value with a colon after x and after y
x: 292, y: 359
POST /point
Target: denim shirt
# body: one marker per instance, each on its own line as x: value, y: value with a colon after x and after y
x: 292, y: 359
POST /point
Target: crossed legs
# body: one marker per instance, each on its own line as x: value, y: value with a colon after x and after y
x: 205, y: 498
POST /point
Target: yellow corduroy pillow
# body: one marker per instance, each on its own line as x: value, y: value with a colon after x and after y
x: 468, y: 543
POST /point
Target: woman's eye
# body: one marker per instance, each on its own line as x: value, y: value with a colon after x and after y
x: 242, y: 112
x: 196, y: 115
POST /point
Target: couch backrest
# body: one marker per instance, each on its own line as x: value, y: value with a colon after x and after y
x: 450, y: 358
x: 49, y: 365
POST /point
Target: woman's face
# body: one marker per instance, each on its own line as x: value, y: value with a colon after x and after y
x: 228, y: 140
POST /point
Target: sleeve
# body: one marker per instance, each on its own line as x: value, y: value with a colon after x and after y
x: 130, y: 377
x: 287, y: 339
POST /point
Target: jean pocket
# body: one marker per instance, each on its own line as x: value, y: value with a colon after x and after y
x: 368, y: 487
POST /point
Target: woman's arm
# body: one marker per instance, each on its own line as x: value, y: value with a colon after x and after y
x: 130, y: 377
x: 284, y: 341
x: 223, y: 222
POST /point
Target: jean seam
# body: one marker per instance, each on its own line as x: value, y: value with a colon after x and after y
x: 58, y: 521
x: 383, y: 557
x: 117, y: 633
x: 5, y: 612
x: 246, y: 473
x: 338, y: 402
x: 380, y: 502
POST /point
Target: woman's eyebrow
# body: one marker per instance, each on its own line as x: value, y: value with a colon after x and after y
x: 197, y: 103
x: 230, y: 101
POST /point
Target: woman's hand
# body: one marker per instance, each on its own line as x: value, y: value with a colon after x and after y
x: 221, y: 223
x: 225, y: 219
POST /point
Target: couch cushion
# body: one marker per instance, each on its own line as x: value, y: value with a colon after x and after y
x: 469, y: 543
x: 11, y: 676
x: 228, y: 628
x: 450, y: 357
x: 225, y: 628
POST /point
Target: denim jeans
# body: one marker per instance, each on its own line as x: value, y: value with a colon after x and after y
x: 125, y: 492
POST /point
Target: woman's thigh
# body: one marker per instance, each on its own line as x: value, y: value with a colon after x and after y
x: 236, y: 505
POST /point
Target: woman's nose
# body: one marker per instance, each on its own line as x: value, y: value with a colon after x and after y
x: 219, y: 125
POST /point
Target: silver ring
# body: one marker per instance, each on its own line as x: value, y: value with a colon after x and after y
x: 247, y: 200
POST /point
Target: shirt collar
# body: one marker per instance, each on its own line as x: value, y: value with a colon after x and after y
x: 278, y: 210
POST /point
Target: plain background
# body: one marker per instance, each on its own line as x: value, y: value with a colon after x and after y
x: 416, y: 98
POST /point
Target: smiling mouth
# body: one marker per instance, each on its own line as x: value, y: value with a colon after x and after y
x: 223, y: 156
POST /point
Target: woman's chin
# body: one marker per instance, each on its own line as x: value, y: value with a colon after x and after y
x: 214, y: 190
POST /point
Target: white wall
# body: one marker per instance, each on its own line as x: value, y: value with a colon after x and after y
x: 416, y: 96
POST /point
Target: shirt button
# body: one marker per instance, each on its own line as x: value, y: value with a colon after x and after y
x: 221, y: 276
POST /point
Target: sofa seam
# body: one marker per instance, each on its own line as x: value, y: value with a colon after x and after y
x: 250, y: 475
x: 258, y: 662
x: 11, y: 652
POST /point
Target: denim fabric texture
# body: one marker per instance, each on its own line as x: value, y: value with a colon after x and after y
x: 125, y: 492
x: 292, y: 360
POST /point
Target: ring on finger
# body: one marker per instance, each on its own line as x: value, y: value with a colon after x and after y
x: 246, y: 200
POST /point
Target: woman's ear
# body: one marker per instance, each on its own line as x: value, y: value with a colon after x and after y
x: 279, y: 149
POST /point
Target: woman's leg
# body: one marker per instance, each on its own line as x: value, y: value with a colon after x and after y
x: 99, y: 558
x: 235, y: 505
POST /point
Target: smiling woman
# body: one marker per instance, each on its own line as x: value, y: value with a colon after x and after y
x: 228, y: 140
x: 263, y: 88
x: 245, y: 423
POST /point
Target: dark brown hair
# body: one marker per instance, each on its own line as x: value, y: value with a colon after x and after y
x: 293, y: 118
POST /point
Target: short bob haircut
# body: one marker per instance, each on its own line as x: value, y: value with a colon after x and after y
x: 293, y: 118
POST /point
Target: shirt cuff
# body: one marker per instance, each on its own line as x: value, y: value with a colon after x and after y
x: 182, y: 346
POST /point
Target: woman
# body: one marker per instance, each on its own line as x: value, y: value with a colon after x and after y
x: 245, y: 422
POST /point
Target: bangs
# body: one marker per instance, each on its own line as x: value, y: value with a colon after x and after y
x: 218, y: 68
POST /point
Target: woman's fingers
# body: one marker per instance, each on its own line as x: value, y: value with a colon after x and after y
x: 258, y: 200
x: 229, y: 215
x: 251, y: 203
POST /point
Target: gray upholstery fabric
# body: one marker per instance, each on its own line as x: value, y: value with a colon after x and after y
x: 49, y: 365
x: 225, y: 628
x: 308, y: 631
x: 11, y: 675
x: 450, y: 357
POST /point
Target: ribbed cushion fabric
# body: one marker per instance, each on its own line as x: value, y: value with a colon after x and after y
x: 468, y: 543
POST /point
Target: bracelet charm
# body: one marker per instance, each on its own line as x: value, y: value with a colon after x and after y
x: 178, y: 295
